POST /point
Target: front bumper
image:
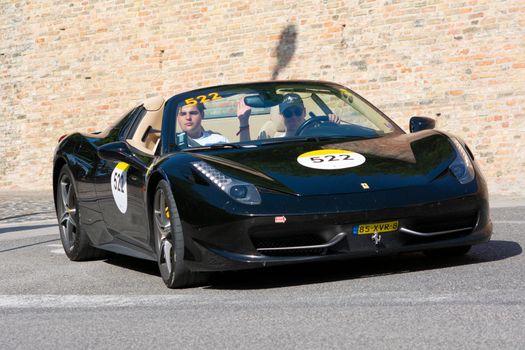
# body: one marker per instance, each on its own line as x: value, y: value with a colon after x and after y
x: 455, y: 222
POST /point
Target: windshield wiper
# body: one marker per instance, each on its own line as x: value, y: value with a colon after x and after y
x: 352, y: 137
x: 318, y: 138
x: 225, y: 145
x: 216, y: 146
x: 283, y: 140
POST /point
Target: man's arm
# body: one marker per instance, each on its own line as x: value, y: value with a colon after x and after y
x: 243, y: 113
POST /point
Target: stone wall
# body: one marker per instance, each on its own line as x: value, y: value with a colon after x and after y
x: 77, y: 65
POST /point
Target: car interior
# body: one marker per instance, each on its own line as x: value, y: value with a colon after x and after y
x: 263, y: 124
x: 147, y: 134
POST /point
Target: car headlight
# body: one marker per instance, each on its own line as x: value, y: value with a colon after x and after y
x: 462, y: 166
x: 242, y: 192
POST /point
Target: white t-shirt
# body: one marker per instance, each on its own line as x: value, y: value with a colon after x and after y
x: 209, y: 138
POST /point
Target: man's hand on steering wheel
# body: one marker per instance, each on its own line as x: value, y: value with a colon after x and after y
x: 315, y: 121
x: 333, y: 118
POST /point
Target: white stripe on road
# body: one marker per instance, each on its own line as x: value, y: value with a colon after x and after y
x: 84, y: 301
x: 370, y: 299
x: 60, y: 249
x: 508, y: 222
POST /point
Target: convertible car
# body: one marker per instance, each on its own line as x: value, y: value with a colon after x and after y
x: 253, y: 175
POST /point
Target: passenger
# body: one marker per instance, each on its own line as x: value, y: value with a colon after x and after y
x: 291, y: 110
x: 190, y: 118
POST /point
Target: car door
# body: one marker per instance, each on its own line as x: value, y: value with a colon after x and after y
x: 120, y: 190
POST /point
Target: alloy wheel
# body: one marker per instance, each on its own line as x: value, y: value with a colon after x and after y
x: 68, y: 217
x: 165, y: 248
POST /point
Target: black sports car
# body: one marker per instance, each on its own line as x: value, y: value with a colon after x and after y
x: 252, y: 175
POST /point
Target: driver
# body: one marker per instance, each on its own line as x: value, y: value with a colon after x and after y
x: 291, y: 110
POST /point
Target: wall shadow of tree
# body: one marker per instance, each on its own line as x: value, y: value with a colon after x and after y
x: 285, y: 49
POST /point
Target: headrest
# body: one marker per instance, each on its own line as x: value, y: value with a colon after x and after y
x: 153, y: 103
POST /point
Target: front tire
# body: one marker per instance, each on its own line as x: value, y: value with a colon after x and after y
x: 75, y: 242
x: 169, y: 241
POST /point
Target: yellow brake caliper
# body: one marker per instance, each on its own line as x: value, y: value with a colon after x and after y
x: 167, y: 212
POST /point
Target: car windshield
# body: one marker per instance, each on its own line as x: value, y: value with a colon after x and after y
x: 255, y: 114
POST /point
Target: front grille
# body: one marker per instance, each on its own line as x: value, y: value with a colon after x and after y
x: 287, y: 241
x: 269, y: 245
x: 436, y: 224
x: 295, y: 252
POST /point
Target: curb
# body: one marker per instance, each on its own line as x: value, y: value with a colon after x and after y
x: 29, y: 223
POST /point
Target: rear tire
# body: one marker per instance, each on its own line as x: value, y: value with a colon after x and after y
x: 169, y: 241
x: 74, y: 240
x: 447, y: 252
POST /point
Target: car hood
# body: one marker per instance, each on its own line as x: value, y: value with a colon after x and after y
x: 392, y: 161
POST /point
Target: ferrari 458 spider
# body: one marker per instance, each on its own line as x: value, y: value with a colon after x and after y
x: 252, y: 175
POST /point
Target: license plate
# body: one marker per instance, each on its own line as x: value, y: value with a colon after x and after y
x: 379, y: 227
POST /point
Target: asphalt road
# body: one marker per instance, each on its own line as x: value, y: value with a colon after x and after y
x: 401, y: 302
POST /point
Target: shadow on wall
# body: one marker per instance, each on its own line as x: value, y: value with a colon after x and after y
x: 285, y: 49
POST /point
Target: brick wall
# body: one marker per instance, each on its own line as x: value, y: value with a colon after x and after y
x: 77, y: 65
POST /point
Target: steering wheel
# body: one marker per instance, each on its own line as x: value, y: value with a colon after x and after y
x: 313, y: 122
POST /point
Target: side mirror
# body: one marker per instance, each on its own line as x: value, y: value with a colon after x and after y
x: 421, y: 123
x: 118, y: 152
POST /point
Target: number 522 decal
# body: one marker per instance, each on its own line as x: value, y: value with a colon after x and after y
x: 212, y: 96
x: 119, y: 186
x: 331, y: 159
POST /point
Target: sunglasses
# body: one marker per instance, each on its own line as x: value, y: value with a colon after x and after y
x: 290, y: 112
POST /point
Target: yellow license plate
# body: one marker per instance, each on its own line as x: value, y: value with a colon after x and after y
x: 379, y: 227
